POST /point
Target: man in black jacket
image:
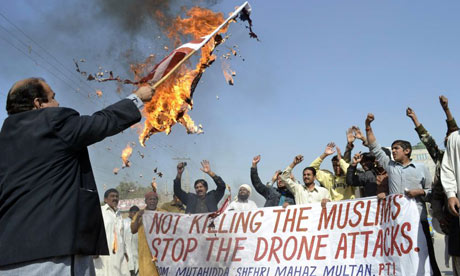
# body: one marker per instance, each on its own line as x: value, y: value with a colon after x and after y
x: 367, y: 178
x: 202, y: 201
x: 279, y: 196
x: 50, y: 214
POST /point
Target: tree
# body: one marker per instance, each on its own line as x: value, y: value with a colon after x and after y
x: 129, y: 190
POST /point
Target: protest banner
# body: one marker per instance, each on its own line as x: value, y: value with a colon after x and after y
x: 352, y: 237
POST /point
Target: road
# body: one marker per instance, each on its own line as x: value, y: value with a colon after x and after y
x: 439, y: 246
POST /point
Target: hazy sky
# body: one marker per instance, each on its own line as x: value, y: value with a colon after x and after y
x: 319, y: 68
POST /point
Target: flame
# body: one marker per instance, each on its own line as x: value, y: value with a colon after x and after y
x: 125, y: 154
x: 154, y: 184
x: 173, y: 98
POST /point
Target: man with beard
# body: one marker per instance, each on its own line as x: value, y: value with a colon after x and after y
x: 405, y: 177
x: 146, y: 264
x: 242, y: 202
x: 279, y: 196
x: 50, y: 213
x: 202, y: 201
x: 310, y: 192
x: 114, y: 229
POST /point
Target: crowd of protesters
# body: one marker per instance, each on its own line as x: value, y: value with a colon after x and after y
x: 382, y: 172
x: 47, y: 186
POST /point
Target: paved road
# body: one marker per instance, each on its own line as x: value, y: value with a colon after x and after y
x: 439, y: 246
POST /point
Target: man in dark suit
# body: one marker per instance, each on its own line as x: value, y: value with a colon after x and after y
x: 202, y: 201
x: 50, y: 214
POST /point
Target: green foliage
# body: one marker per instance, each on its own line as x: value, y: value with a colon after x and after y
x: 129, y: 190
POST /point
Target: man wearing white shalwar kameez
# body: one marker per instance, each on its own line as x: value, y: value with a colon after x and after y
x: 131, y: 241
x: 450, y: 177
x: 112, y: 265
x: 243, y: 203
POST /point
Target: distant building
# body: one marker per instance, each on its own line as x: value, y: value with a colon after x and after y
x: 420, y: 155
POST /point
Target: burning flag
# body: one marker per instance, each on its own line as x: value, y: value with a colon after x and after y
x: 170, y: 63
x: 173, y: 96
x: 173, y: 99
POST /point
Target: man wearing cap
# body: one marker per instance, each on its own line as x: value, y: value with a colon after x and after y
x: 242, y: 202
x: 146, y: 264
x: 50, y: 214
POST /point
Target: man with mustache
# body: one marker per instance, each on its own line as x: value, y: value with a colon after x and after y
x: 201, y: 201
x: 50, y: 214
x: 308, y: 193
x: 115, y: 231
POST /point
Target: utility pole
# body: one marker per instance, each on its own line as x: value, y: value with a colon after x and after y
x: 186, y: 182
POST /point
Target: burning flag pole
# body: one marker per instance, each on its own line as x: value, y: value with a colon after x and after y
x: 174, y: 98
x: 174, y: 60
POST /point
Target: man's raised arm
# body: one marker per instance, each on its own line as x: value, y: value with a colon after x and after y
x: 81, y: 131
x: 286, y: 174
x: 255, y: 179
x: 220, y: 190
x: 425, y: 136
x: 451, y: 124
x: 181, y: 194
x: 374, y: 147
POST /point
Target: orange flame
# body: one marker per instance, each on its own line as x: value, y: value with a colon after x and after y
x: 173, y: 98
x: 154, y: 185
x: 125, y: 154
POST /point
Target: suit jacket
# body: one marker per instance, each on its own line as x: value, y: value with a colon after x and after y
x: 212, y: 198
x: 49, y: 205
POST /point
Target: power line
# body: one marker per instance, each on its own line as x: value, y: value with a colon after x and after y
x: 38, y: 64
x: 43, y: 49
x: 47, y: 62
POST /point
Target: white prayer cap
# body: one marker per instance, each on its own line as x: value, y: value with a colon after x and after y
x: 247, y: 187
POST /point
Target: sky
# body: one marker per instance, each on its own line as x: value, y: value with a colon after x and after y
x: 319, y: 68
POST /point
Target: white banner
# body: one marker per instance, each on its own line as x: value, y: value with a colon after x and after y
x: 353, y: 237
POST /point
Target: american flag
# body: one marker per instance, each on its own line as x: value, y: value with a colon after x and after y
x: 222, y: 208
x: 176, y: 57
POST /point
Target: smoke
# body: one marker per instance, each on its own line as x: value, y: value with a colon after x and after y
x: 117, y: 33
x: 131, y: 17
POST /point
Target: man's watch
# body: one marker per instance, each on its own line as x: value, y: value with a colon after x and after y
x: 136, y: 100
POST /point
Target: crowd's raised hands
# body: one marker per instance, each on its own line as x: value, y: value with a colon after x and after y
x: 297, y: 160
x: 357, y: 158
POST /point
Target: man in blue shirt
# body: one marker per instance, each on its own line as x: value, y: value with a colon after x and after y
x: 405, y: 177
